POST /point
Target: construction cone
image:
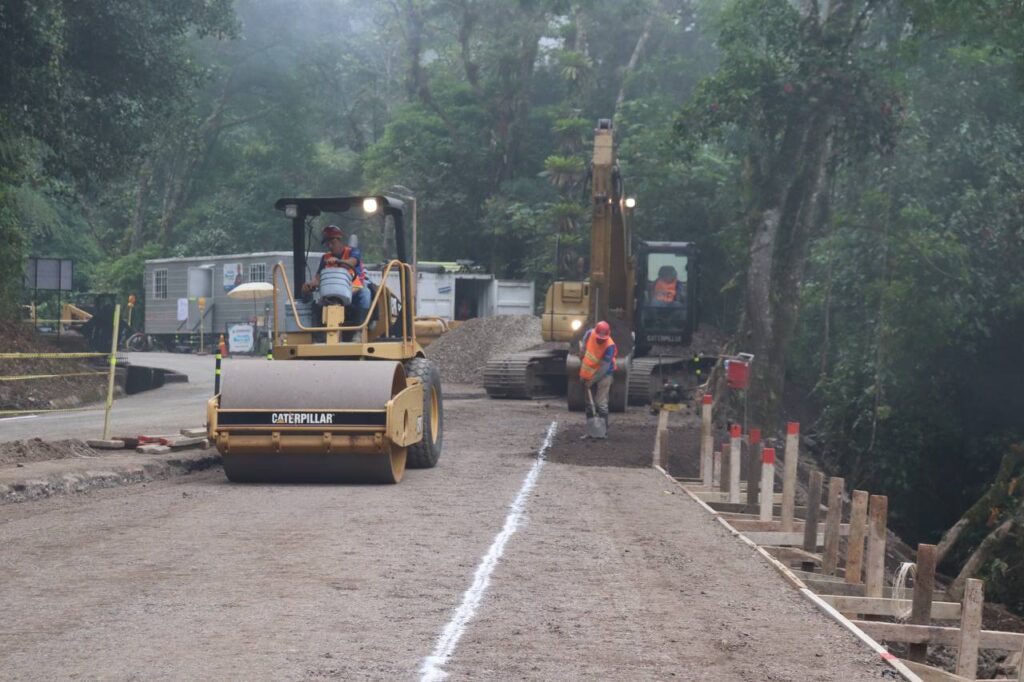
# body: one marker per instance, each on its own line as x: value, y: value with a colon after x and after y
x: 222, y: 347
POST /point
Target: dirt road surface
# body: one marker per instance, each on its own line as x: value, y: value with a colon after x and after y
x: 612, y: 574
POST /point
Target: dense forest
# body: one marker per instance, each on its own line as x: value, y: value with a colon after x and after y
x: 853, y: 171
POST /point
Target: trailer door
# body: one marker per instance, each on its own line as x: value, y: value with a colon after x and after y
x: 513, y: 297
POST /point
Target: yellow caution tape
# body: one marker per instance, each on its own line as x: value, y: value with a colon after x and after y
x: 26, y: 377
x: 53, y: 409
x: 52, y: 356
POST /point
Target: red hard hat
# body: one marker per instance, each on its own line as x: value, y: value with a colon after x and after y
x: 330, y: 232
x: 602, y: 330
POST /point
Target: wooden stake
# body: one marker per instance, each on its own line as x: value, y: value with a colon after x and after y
x: 726, y: 479
x: 659, y: 440
x: 924, y: 586
x: 813, y: 511
x: 830, y: 558
x: 789, y: 474
x: 970, y: 627
x: 878, y: 510
x: 767, y: 483
x: 734, y: 463
x: 753, y: 467
x: 716, y: 470
x: 706, y: 445
x: 855, y: 542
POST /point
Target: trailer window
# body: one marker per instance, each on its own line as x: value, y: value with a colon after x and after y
x: 257, y: 272
x: 160, y: 284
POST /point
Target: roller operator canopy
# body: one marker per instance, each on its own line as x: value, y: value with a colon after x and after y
x: 314, y: 206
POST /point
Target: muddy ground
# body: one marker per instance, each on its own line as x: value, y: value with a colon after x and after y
x: 611, y: 575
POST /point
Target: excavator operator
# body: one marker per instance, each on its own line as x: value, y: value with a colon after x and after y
x: 666, y: 290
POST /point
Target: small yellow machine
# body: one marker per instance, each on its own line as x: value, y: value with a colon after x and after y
x: 340, y: 402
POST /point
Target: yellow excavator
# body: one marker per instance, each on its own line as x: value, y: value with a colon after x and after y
x: 342, y: 401
x: 653, y: 336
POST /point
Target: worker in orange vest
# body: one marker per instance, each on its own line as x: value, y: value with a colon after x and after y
x: 597, y: 366
x: 667, y: 290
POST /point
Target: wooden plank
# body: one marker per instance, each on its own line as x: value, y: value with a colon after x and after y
x: 734, y: 465
x: 876, y: 606
x: 728, y: 507
x: 789, y: 474
x: 753, y: 467
x: 924, y: 586
x: 929, y: 674
x: 970, y: 627
x: 772, y: 537
x: 813, y: 510
x: 706, y: 442
x: 878, y: 509
x: 938, y: 635
x: 792, y: 554
x: 855, y: 542
x: 830, y: 555
x: 714, y: 496
x: 725, y: 482
x: 826, y: 587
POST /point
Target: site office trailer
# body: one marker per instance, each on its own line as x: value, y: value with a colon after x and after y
x: 459, y: 295
x: 169, y: 280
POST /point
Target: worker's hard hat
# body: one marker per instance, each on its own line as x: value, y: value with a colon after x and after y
x: 602, y: 330
x: 330, y: 232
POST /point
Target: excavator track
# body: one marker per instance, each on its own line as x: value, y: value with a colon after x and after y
x: 525, y: 375
x: 647, y: 373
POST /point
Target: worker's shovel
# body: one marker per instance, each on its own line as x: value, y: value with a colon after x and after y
x: 595, y: 425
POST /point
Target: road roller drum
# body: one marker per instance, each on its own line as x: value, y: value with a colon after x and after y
x: 322, y: 421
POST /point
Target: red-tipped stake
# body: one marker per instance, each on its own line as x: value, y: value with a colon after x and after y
x: 735, y: 434
x: 767, y: 483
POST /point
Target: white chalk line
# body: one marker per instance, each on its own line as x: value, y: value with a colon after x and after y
x: 432, y: 668
x: 10, y: 419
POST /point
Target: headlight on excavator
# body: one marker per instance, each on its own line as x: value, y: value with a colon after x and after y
x: 576, y: 324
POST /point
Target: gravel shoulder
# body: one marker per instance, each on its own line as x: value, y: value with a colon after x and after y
x: 613, y: 576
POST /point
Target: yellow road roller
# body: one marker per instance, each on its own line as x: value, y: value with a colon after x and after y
x: 349, y: 395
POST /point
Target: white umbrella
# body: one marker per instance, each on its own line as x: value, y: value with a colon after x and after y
x: 253, y: 291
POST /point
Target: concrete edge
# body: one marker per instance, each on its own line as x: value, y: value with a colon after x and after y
x: 178, y: 464
x: 798, y: 584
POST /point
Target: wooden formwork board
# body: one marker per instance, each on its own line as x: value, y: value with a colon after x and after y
x: 793, y: 580
x: 939, y: 635
x: 930, y: 674
x: 874, y: 606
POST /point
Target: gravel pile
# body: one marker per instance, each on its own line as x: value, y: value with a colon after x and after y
x: 462, y: 353
x: 37, y: 450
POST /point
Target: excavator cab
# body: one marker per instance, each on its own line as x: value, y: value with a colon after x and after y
x: 344, y: 400
x: 666, y: 294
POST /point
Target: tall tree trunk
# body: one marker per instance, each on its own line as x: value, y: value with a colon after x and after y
x: 778, y: 257
x: 634, y: 59
x: 143, y: 183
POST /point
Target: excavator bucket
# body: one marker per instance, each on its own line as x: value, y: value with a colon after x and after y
x: 317, y: 421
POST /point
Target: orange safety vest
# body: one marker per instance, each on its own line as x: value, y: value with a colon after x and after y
x: 332, y: 261
x: 593, y: 353
x: 665, y: 292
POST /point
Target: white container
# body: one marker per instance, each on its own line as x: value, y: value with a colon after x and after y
x: 305, y: 311
x: 336, y: 286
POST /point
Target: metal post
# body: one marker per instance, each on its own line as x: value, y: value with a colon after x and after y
x: 216, y: 373
x: 110, y: 379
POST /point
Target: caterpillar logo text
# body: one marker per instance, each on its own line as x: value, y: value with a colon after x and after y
x: 302, y: 418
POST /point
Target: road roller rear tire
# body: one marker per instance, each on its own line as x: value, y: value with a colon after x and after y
x: 424, y: 455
